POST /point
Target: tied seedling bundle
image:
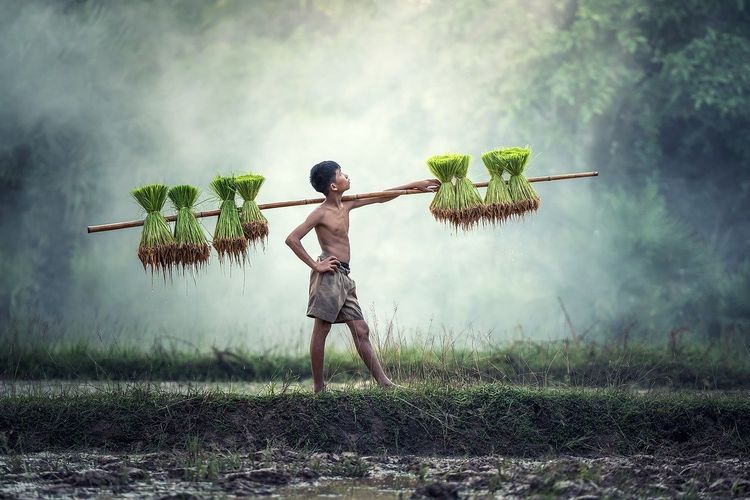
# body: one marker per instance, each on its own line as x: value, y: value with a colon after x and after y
x: 497, y: 200
x: 444, y: 168
x: 229, y: 239
x: 254, y: 224
x: 157, y: 247
x: 457, y: 200
x: 525, y: 198
x: 193, y: 251
x: 469, y: 208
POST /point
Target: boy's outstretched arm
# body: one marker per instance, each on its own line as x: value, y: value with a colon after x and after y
x: 294, y: 241
x: 426, y: 185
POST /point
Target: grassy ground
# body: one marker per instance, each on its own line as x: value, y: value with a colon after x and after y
x: 476, y: 420
x: 521, y: 362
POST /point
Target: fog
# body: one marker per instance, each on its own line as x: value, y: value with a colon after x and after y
x: 176, y: 93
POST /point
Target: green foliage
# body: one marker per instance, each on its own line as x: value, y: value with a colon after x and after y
x: 622, y: 362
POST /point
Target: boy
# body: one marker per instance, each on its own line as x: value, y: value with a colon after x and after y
x: 333, y: 296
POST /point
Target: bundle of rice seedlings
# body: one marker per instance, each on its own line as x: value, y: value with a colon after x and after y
x: 193, y: 251
x: 469, y: 208
x: 254, y: 224
x: 444, y: 168
x: 457, y: 201
x: 229, y: 240
x: 497, y: 200
x: 525, y: 198
x: 157, y: 246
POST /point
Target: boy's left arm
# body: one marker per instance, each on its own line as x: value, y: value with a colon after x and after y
x: 427, y: 185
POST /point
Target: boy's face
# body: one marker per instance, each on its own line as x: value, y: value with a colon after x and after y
x: 341, y: 183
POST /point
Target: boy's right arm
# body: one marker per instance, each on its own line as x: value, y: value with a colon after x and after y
x: 294, y: 241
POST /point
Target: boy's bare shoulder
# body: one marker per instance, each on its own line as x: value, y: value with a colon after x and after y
x: 316, y: 215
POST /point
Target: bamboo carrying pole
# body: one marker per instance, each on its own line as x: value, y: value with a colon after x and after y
x: 294, y: 203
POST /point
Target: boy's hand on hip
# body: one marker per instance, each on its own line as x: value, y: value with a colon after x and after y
x: 330, y: 263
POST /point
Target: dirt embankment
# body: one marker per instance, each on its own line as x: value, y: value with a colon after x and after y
x: 491, y: 419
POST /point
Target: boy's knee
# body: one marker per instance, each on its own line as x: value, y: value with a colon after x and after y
x: 362, y: 331
x: 322, y: 326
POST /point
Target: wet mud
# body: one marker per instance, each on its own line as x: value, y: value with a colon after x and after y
x: 277, y: 472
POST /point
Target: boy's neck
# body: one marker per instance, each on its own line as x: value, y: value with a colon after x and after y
x: 333, y: 199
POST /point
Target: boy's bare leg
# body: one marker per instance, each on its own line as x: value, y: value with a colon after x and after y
x: 361, y: 333
x: 317, y: 352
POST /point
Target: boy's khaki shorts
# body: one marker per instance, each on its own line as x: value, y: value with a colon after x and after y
x: 333, y: 296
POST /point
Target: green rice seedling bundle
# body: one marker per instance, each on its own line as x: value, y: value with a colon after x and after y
x: 497, y: 200
x: 157, y: 246
x: 469, y: 207
x: 525, y: 198
x: 444, y: 168
x: 193, y: 251
x: 254, y: 224
x: 229, y: 240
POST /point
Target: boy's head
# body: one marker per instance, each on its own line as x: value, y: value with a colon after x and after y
x: 327, y: 176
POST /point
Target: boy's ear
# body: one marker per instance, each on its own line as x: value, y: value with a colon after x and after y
x: 333, y: 187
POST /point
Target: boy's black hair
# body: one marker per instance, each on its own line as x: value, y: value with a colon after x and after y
x: 322, y: 175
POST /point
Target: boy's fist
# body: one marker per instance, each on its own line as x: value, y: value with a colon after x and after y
x: 427, y: 185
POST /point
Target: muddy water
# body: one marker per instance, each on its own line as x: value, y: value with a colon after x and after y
x: 202, y: 473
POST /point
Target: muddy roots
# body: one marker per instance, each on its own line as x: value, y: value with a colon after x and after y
x: 158, y: 258
x: 256, y: 232
x: 192, y: 256
x: 496, y: 213
x: 465, y: 219
x: 235, y: 249
x: 519, y: 209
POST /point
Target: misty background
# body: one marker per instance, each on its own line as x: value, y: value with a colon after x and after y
x: 99, y: 97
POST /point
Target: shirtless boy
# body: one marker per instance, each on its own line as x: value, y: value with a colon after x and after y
x: 333, y: 296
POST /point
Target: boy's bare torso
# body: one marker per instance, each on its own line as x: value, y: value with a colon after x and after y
x: 333, y: 230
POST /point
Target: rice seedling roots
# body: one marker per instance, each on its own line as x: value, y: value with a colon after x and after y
x: 232, y: 249
x: 192, y: 256
x: 256, y: 231
x: 158, y: 258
